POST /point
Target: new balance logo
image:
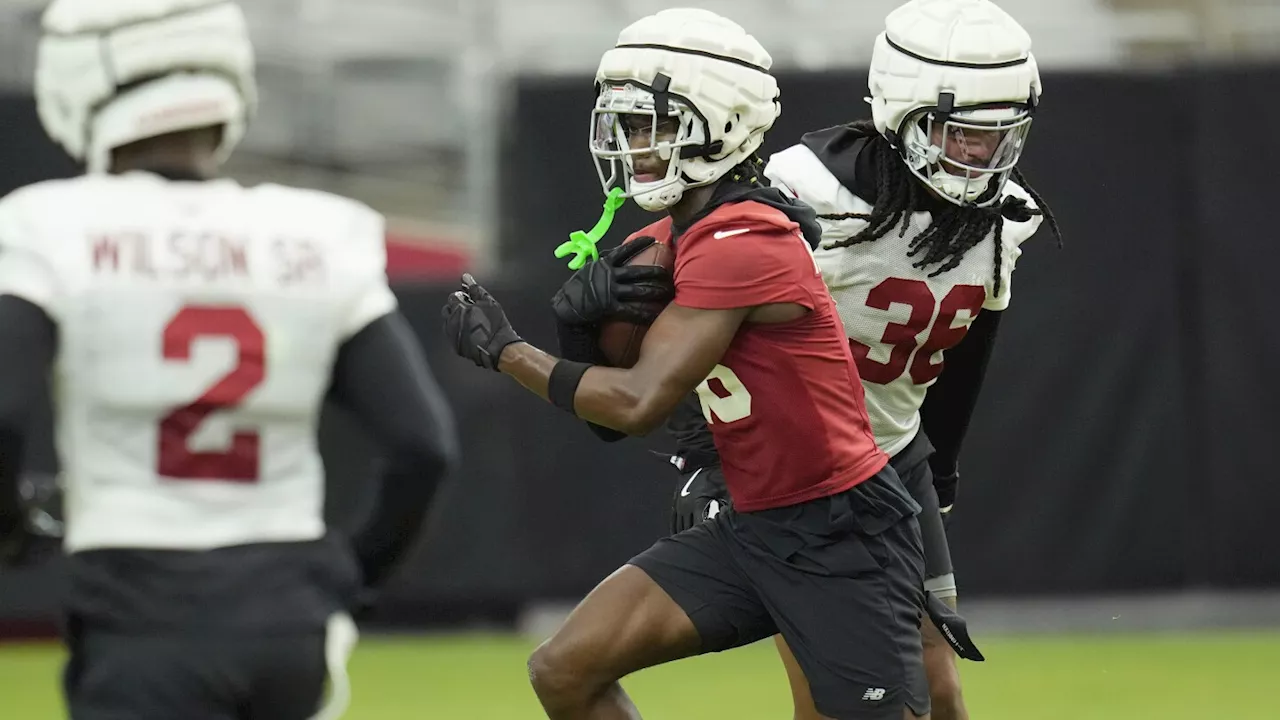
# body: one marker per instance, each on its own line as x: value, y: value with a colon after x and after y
x: 873, y: 694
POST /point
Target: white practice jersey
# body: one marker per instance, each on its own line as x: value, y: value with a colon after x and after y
x: 899, y: 320
x: 198, y: 324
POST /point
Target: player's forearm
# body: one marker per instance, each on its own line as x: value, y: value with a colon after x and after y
x: 949, y: 405
x: 29, y: 338
x: 12, y: 445
x: 382, y: 378
x: 609, y: 397
x: 529, y: 366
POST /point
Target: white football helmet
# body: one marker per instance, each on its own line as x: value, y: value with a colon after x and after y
x: 694, y: 88
x: 112, y: 73
x: 953, y: 87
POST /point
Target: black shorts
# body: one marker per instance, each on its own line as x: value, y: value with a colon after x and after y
x: 840, y: 578
x: 117, y: 676
x: 912, y: 465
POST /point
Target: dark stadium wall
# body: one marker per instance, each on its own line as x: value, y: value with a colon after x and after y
x: 1122, y: 443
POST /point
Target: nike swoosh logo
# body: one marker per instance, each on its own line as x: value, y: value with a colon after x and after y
x: 722, y: 234
x: 684, y: 492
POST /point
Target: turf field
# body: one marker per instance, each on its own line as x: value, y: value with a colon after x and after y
x: 482, y: 677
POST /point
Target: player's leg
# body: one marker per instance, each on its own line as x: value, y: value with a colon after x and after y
x: 286, y: 673
x: 284, y: 676
x: 944, y: 676
x: 939, y: 658
x: 843, y: 579
x: 111, y: 676
x: 681, y: 597
x: 691, y: 506
x: 801, y: 696
x: 625, y: 624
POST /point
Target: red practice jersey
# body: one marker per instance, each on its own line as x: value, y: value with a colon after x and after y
x: 785, y: 404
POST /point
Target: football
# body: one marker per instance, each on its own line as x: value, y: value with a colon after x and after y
x: 620, y: 340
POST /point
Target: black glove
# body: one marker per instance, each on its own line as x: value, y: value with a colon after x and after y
x: 579, y: 343
x: 20, y: 548
x: 701, y: 496
x: 31, y: 527
x: 608, y: 288
x: 952, y: 627
x: 475, y: 324
x: 947, y: 486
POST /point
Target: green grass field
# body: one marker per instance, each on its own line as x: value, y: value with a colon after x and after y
x: 482, y: 677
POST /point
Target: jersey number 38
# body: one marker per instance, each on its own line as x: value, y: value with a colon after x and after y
x: 908, y: 354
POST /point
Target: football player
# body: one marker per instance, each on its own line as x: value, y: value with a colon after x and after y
x: 822, y: 544
x: 192, y: 328
x: 923, y: 213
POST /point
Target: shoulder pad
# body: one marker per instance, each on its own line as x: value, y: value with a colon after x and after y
x: 798, y: 171
x: 748, y: 214
x: 21, y: 208
x: 1015, y: 233
x: 325, y: 204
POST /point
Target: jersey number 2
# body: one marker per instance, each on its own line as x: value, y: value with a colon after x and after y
x: 238, y: 463
x: 902, y: 336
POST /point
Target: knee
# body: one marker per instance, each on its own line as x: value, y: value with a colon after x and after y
x: 551, y: 672
x: 562, y: 676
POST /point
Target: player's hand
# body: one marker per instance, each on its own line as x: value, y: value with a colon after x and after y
x: 947, y: 486
x: 609, y: 288
x: 31, y: 525
x: 15, y: 542
x: 476, y: 325
x: 24, y: 548
x: 700, y: 497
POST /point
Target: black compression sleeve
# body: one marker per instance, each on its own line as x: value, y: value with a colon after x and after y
x: 382, y: 377
x: 28, y: 344
x: 578, y: 343
x: 949, y: 404
x: 604, y: 433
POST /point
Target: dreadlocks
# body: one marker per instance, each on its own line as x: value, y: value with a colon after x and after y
x: 953, y: 231
x: 749, y: 172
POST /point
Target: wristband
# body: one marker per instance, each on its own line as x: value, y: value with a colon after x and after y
x: 563, y: 384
